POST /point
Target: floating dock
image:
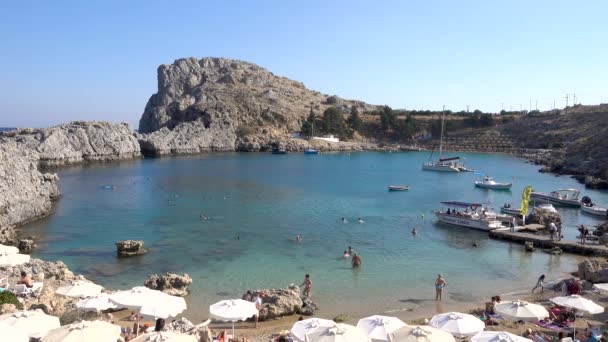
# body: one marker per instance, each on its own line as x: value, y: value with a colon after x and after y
x: 544, y: 241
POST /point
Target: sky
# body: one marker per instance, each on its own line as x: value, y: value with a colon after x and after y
x: 96, y: 60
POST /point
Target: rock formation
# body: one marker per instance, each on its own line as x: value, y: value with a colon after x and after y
x: 77, y: 142
x: 26, y: 245
x: 544, y: 217
x: 127, y: 248
x: 280, y: 302
x: 25, y: 192
x: 206, y: 105
x: 170, y: 283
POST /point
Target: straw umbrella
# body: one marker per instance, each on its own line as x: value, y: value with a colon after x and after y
x: 301, y: 328
x: 165, y: 337
x: 84, y: 331
x: 498, y: 336
x: 338, y: 333
x: 32, y: 323
x: 233, y: 310
x: 422, y: 333
x: 521, y: 311
x: 378, y: 327
x: 79, y: 289
x: 457, y: 324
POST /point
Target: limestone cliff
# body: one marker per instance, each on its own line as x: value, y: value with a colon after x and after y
x: 25, y: 192
x: 77, y: 142
x: 202, y: 105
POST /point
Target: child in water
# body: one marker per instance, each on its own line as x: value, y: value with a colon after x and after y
x: 346, y: 255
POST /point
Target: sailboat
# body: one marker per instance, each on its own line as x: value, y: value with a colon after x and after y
x: 443, y: 164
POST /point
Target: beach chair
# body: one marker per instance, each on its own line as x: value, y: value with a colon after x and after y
x: 22, y: 290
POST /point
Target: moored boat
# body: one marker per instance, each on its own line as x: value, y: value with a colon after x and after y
x: 595, y: 210
x: 563, y: 197
x: 488, y: 183
x: 311, y: 151
x: 507, y: 209
x: 469, y: 215
x: 547, y: 206
x: 444, y: 164
x: 398, y: 188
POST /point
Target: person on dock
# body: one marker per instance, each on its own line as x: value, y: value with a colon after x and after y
x: 307, y: 286
x: 552, y: 230
x: 584, y: 232
x: 512, y: 224
x: 440, y: 283
x: 540, y: 283
x: 559, y: 233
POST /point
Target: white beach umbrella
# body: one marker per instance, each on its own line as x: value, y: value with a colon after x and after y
x: 233, y: 310
x: 422, y: 333
x: 9, y: 333
x: 457, y: 324
x: 338, y: 333
x: 141, y: 296
x: 165, y: 337
x: 13, y: 259
x: 579, y: 303
x: 602, y: 287
x: 521, y: 311
x: 84, y: 331
x: 301, y: 328
x: 498, y: 336
x: 378, y: 327
x: 8, y: 249
x: 79, y: 288
x: 96, y: 303
x: 32, y: 323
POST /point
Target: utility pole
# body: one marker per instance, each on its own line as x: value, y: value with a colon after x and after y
x: 567, y: 96
x: 467, y: 108
x: 574, y: 99
x: 502, y: 106
x: 554, y: 103
x: 530, y: 106
x: 536, y: 105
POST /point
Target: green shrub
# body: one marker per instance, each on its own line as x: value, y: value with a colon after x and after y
x: 244, y: 131
x: 7, y: 297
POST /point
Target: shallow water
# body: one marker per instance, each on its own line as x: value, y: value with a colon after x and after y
x: 257, y: 203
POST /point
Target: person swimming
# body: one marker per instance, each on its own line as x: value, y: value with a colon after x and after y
x: 350, y: 250
x: 344, y: 220
x: 360, y: 220
x: 414, y: 231
x: 346, y: 255
x: 298, y: 238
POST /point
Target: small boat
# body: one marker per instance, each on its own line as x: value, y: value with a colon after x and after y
x: 398, y: 188
x: 563, y: 197
x: 444, y: 164
x: 311, y: 151
x: 470, y: 215
x: 547, y: 206
x: 488, y: 183
x: 277, y: 150
x: 507, y: 209
x: 589, y: 207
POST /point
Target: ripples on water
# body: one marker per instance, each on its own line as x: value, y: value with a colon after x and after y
x: 257, y: 203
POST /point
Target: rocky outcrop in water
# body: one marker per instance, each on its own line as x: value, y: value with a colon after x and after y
x: 25, y: 193
x: 170, y: 283
x: 77, y: 142
x: 279, y: 302
x: 544, y: 217
x: 593, y: 270
x: 206, y: 105
x: 127, y: 248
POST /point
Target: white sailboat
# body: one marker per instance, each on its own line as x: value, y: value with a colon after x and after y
x: 443, y: 164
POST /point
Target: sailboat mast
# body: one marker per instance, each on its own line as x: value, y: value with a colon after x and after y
x: 441, y: 137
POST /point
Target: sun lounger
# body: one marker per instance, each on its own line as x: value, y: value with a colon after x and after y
x: 22, y: 290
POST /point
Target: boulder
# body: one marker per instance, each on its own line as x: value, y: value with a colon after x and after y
x: 279, y: 302
x: 529, y: 246
x: 170, y: 283
x: 593, y: 270
x: 544, y: 217
x: 26, y: 245
x: 601, y: 229
x: 127, y: 248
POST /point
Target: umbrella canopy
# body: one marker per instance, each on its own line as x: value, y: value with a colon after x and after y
x: 579, y: 303
x: 13, y: 334
x: 301, y: 328
x: 498, y: 336
x: 141, y: 296
x: 96, y: 303
x: 338, y: 333
x: 13, y: 259
x: 457, y: 324
x: 84, y: 331
x: 521, y: 311
x: 8, y: 250
x: 422, y: 333
x: 32, y: 323
x: 378, y: 327
x: 80, y: 289
x: 602, y: 287
x: 165, y: 337
x: 233, y: 310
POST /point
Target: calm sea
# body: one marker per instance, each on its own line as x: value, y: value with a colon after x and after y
x: 257, y: 203
x: 6, y: 129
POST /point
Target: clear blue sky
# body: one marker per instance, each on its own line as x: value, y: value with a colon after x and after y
x: 79, y: 60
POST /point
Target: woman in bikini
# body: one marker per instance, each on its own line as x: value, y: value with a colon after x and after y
x: 307, y: 286
x: 440, y: 283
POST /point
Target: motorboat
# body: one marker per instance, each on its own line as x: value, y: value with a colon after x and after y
x: 278, y: 150
x: 469, y: 215
x: 507, y: 209
x: 398, y: 188
x: 444, y: 164
x: 547, y: 206
x: 488, y: 183
x: 311, y: 151
x: 562, y: 197
x: 589, y: 207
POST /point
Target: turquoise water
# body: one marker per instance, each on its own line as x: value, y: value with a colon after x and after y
x: 257, y: 203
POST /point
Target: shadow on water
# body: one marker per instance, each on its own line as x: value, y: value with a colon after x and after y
x: 461, y: 297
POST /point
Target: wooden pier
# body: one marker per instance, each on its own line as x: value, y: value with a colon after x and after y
x: 544, y: 241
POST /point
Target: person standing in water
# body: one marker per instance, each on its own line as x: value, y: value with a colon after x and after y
x: 540, y: 283
x: 440, y: 283
x: 307, y: 286
x: 298, y: 238
x: 356, y: 262
x: 414, y: 231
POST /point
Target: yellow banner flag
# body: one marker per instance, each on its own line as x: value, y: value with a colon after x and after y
x: 525, y: 199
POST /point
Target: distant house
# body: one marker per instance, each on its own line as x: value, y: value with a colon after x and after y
x: 328, y: 138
